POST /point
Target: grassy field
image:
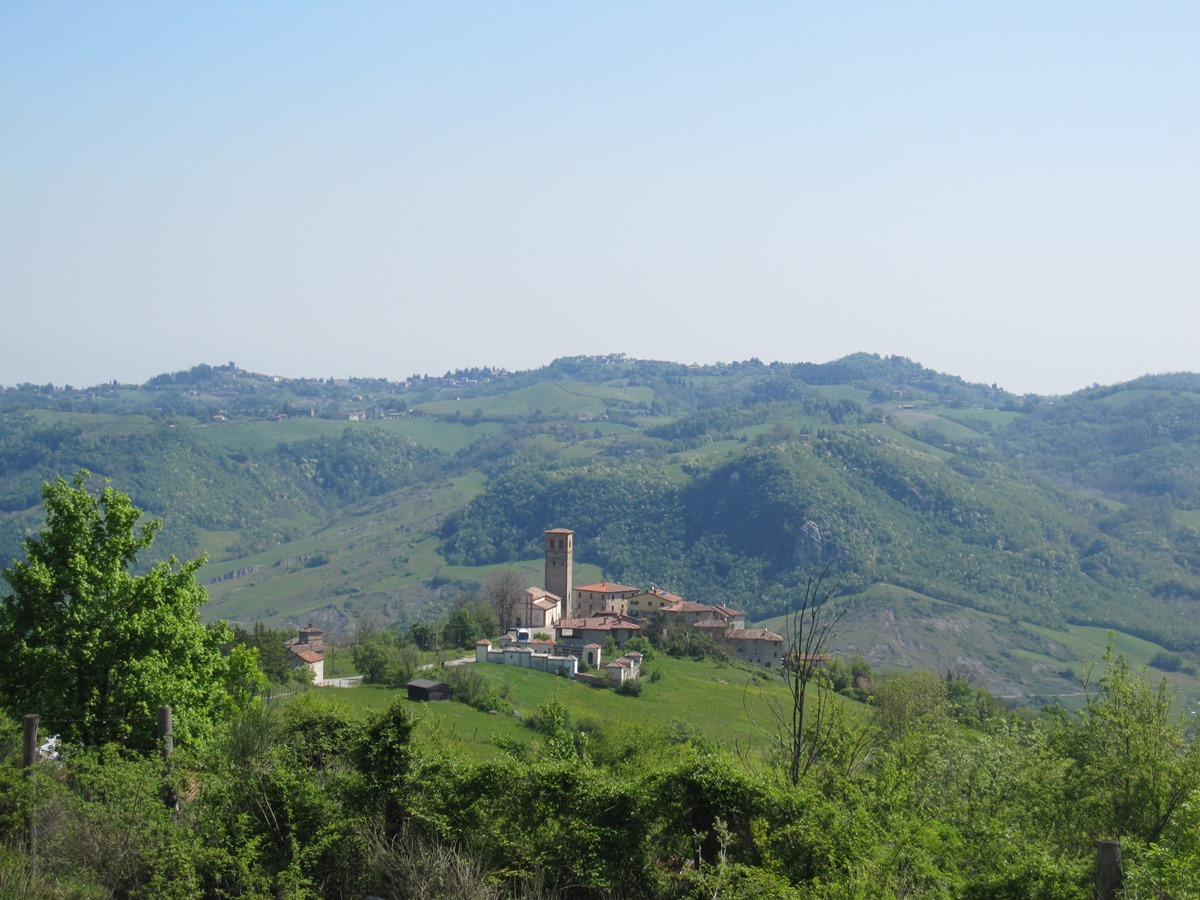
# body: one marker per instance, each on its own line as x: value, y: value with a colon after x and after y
x: 837, y: 392
x: 977, y: 419
x: 95, y: 423
x: 264, y: 434
x: 948, y: 428
x: 554, y: 399
x: 1189, y: 517
x: 727, y: 703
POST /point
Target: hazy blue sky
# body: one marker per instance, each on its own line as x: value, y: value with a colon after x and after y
x: 1009, y: 192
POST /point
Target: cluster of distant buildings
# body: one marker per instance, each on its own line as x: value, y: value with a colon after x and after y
x: 584, y: 619
x: 563, y: 628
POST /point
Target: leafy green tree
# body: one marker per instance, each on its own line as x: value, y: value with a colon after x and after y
x: 276, y: 814
x: 385, y: 757
x: 641, y: 645
x: 423, y: 635
x: 94, y: 649
x: 471, y: 618
x: 909, y: 711
x: 1132, y: 767
x: 404, y: 665
x: 272, y: 654
x: 374, y: 656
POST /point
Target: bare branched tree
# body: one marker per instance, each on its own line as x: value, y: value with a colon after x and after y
x: 801, y: 725
x: 504, y: 589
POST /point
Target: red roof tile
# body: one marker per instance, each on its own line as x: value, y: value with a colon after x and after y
x: 689, y: 606
x: 607, y: 587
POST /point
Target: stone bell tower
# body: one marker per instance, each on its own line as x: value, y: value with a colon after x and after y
x: 560, y: 557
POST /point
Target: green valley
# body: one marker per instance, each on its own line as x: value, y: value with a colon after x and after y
x: 1002, y: 526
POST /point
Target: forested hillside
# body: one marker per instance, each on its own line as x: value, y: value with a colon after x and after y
x: 727, y: 483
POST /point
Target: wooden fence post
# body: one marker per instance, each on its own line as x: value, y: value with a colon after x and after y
x: 167, y: 742
x: 1108, y: 869
x: 30, y: 757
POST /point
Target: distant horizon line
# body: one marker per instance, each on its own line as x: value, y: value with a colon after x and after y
x: 613, y: 357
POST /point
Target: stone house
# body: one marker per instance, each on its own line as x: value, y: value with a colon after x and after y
x: 577, y: 633
x: 315, y: 661
x: 308, y: 649
x: 755, y: 645
x: 650, y: 601
x: 733, y: 618
x: 593, y: 599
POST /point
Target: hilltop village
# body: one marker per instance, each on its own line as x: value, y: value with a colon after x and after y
x: 561, y: 627
x: 585, y: 619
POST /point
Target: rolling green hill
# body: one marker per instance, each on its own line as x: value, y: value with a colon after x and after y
x: 1002, y: 524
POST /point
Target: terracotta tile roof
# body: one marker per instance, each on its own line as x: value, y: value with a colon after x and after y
x: 728, y: 610
x: 689, y: 606
x: 537, y: 593
x: 752, y: 634
x: 590, y: 646
x: 607, y: 587
x: 665, y: 595
x: 559, y: 531
x: 308, y: 656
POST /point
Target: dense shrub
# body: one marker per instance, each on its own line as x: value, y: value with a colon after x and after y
x: 631, y: 687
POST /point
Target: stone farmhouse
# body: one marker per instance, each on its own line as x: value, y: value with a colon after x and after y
x: 308, y: 649
x: 754, y: 645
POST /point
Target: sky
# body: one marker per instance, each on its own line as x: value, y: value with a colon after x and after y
x: 1008, y: 192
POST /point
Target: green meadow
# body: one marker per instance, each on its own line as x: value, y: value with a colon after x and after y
x: 727, y: 703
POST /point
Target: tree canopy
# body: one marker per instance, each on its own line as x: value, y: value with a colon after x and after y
x: 93, y: 648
